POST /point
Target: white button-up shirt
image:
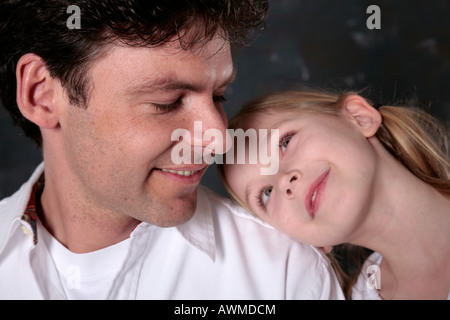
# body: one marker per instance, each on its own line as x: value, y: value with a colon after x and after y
x: 223, y: 252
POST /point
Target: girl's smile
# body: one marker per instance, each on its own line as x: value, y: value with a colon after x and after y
x: 314, y: 195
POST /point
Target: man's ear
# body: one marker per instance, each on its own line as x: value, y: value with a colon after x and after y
x: 367, y: 118
x: 35, y: 91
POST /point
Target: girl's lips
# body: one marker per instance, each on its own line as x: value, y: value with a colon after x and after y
x: 314, y: 194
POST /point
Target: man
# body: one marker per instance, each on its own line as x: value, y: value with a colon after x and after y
x: 108, y: 215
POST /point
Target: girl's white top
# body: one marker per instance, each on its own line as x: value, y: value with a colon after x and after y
x: 368, y: 281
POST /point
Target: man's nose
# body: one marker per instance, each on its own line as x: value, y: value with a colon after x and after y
x: 210, y: 127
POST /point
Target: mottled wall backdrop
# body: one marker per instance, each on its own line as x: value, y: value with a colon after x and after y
x: 320, y: 43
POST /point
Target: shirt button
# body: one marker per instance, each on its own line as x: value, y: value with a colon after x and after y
x: 27, y: 231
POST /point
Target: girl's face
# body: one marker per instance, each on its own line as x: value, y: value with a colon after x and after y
x: 324, y: 186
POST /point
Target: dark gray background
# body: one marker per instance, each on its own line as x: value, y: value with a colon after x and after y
x: 323, y: 43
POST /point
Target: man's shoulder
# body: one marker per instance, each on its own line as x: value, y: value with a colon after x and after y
x: 227, y: 208
x: 23, y: 193
x: 230, y: 217
x: 10, y: 206
x: 235, y: 226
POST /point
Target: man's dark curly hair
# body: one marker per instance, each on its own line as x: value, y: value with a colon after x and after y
x: 40, y: 27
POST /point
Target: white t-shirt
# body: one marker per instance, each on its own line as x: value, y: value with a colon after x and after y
x: 88, y: 275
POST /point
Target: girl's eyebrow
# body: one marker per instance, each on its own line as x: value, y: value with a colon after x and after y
x: 248, y: 191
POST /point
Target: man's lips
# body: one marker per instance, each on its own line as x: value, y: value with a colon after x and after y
x: 185, y: 175
x: 314, y: 194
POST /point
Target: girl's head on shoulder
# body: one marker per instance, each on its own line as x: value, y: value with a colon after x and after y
x: 327, y: 138
x: 329, y: 150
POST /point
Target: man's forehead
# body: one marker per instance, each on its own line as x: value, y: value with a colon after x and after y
x: 162, y: 66
x: 207, y: 48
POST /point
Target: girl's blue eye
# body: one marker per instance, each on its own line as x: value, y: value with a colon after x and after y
x: 266, y: 194
x: 284, y: 143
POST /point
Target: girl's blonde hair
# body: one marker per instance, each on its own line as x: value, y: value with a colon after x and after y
x: 418, y: 140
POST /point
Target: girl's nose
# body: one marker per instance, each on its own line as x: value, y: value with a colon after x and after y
x: 289, y: 182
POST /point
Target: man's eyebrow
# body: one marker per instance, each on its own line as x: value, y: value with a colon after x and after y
x: 230, y: 79
x: 158, y: 84
x: 170, y: 84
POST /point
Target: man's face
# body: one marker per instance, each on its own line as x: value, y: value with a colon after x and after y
x: 118, y: 149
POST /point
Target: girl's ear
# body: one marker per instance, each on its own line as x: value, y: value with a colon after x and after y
x: 325, y: 250
x: 35, y: 90
x: 361, y: 113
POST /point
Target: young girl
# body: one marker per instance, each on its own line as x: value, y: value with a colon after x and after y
x: 351, y: 174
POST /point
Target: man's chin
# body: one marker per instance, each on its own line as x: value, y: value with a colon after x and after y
x: 177, y: 213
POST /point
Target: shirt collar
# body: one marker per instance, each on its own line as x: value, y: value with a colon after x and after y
x: 199, y: 231
x: 13, y: 208
x: 34, y: 204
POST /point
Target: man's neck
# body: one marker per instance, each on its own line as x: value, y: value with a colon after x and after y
x: 78, y: 226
